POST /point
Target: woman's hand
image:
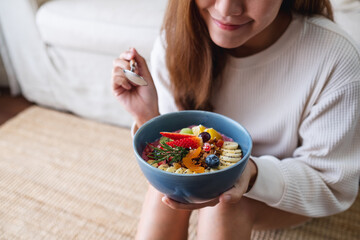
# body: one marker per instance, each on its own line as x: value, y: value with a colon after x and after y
x: 140, y: 101
x: 233, y: 195
x: 242, y: 185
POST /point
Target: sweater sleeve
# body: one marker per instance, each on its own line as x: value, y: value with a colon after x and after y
x: 322, y: 176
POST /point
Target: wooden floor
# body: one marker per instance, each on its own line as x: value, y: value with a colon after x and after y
x: 11, y: 106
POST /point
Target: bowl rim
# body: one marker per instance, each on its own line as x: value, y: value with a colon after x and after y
x: 245, y: 157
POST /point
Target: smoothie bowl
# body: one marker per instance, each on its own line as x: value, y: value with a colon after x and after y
x: 192, y: 156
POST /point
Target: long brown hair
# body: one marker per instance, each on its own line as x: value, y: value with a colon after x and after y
x: 194, y: 61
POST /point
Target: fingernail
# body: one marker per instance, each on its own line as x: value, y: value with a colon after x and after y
x: 165, y: 200
x: 227, y: 198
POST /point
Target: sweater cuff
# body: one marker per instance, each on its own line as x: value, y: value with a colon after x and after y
x: 133, y: 129
x: 269, y: 185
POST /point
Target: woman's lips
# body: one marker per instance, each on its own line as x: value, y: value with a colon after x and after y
x: 227, y: 26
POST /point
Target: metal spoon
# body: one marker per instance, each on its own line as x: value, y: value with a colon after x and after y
x: 132, y: 76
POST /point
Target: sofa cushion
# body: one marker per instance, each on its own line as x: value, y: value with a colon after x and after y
x: 102, y: 26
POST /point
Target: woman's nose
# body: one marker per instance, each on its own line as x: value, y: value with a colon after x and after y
x: 229, y: 7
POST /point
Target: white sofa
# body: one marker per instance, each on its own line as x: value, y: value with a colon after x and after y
x: 59, y: 53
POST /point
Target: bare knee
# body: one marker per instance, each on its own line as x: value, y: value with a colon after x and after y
x: 227, y: 220
x: 156, y: 216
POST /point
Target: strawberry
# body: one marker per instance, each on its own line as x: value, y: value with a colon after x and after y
x: 207, y: 147
x: 176, y: 136
x: 192, y: 142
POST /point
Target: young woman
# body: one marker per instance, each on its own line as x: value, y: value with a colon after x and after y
x: 288, y: 74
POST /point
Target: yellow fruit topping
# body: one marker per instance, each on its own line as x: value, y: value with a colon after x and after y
x: 198, y: 129
x: 177, y: 165
x: 213, y: 133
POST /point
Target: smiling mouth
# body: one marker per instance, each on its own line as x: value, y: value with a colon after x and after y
x: 229, y: 27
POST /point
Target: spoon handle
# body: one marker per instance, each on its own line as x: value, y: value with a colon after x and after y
x: 132, y: 65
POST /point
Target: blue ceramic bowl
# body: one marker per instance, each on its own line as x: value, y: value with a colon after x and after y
x: 192, y: 188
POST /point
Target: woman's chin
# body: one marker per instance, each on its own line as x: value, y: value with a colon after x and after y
x: 228, y: 44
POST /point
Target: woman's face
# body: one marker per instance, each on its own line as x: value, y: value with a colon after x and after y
x: 235, y: 23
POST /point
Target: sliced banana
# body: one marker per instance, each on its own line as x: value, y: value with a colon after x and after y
x: 234, y: 151
x: 222, y: 166
x: 226, y: 163
x: 230, y: 159
x: 151, y: 162
x: 171, y: 169
x: 163, y: 167
x: 180, y: 170
x: 232, y: 155
x: 230, y: 145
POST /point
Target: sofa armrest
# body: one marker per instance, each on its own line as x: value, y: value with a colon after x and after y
x: 23, y: 44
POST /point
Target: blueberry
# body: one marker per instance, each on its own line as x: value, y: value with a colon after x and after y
x: 205, y: 136
x: 212, y: 160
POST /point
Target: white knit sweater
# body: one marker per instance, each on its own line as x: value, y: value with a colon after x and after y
x: 300, y: 101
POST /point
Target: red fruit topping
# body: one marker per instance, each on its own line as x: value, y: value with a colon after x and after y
x: 148, y: 149
x: 219, y: 143
x: 176, y: 136
x: 207, y: 147
x: 161, y: 163
x: 189, y: 142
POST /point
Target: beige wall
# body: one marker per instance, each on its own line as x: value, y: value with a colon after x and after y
x: 3, y: 76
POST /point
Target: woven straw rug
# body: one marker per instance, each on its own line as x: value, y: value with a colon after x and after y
x: 63, y: 177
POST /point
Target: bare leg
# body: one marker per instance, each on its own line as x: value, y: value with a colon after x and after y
x: 236, y: 221
x: 158, y: 221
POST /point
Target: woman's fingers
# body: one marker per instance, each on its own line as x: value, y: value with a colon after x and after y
x: 142, y: 68
x: 119, y: 64
x: 123, y: 62
x: 117, y: 71
x: 124, y: 59
x: 118, y: 76
x: 121, y: 81
x: 138, y: 58
x: 129, y: 54
x: 177, y: 205
x: 234, y: 194
x: 119, y: 90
